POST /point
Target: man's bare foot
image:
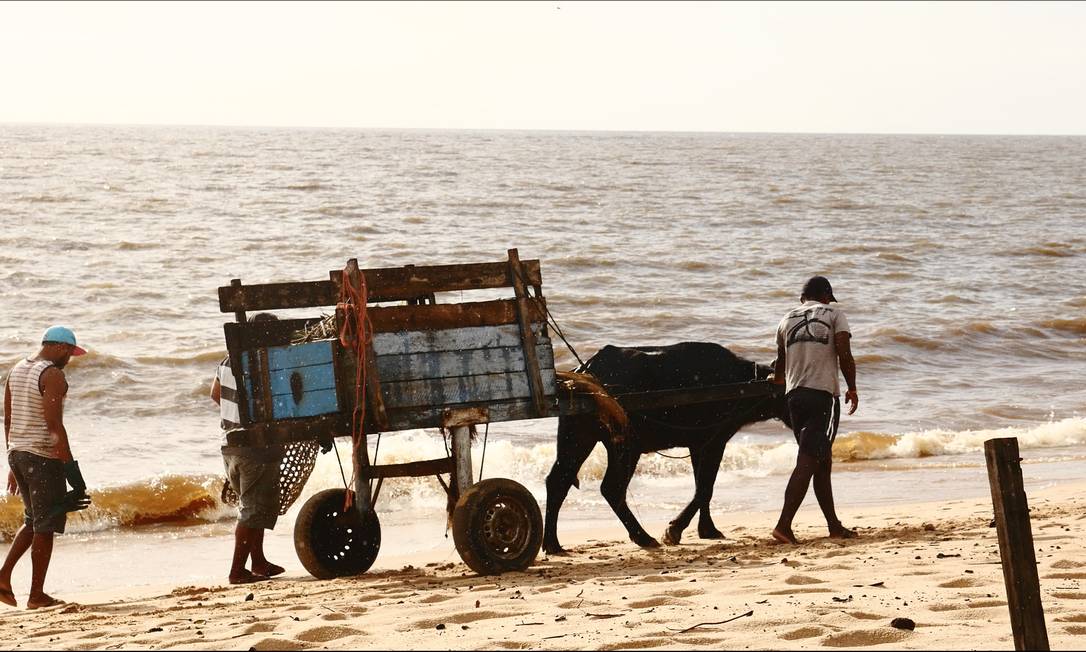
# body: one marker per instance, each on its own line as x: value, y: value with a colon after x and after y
x: 246, y: 577
x: 784, y: 535
x: 42, y: 601
x: 842, y: 532
x: 7, y: 596
x: 268, y: 569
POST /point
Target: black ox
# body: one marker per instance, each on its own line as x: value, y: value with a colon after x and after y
x: 704, y: 428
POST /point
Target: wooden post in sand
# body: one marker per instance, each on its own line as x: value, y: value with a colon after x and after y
x: 1016, y: 544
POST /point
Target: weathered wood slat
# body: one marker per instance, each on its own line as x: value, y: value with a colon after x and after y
x: 412, y: 281
x: 500, y: 411
x: 313, y: 403
x: 277, y: 296
x: 1016, y: 544
x: 280, y: 432
x: 411, y: 469
x: 527, y: 337
x: 263, y: 334
x: 452, y: 339
x: 383, y: 284
x: 462, y: 389
x: 446, y: 364
x: 443, y: 316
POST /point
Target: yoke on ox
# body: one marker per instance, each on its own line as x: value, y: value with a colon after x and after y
x: 398, y: 367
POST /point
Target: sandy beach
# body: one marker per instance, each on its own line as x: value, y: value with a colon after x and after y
x: 934, y: 563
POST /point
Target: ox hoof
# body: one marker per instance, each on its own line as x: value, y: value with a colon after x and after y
x: 554, y: 549
x: 646, y: 541
x: 710, y: 534
x: 673, y: 536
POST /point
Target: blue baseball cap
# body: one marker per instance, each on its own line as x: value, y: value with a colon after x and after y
x: 62, y: 335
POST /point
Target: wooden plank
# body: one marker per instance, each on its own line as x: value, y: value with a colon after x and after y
x: 527, y: 337
x: 471, y: 362
x: 462, y: 389
x: 313, y: 403
x: 235, y: 284
x: 461, y: 455
x: 300, y: 355
x: 281, y: 432
x: 415, y: 281
x: 635, y: 401
x: 277, y: 296
x: 312, y: 378
x: 469, y: 416
x: 1016, y: 544
x: 262, y: 334
x: 498, y: 411
x: 442, y: 316
x: 411, y: 469
x: 453, y: 339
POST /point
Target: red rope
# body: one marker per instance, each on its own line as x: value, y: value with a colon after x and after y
x: 356, y: 333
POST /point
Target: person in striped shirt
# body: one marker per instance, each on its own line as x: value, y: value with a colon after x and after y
x: 40, y: 460
x: 253, y: 472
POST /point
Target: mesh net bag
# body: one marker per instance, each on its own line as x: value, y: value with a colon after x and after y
x: 298, y: 460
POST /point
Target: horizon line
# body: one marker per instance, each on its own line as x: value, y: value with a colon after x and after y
x: 530, y: 129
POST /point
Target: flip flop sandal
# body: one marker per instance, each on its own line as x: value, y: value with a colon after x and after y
x: 248, y: 578
x: 53, y: 602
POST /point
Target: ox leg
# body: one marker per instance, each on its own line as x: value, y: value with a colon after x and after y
x: 572, y: 450
x: 674, y: 532
x: 704, y: 481
x: 621, y: 462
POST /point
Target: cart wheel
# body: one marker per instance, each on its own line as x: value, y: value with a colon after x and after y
x: 331, y: 542
x: 497, y: 527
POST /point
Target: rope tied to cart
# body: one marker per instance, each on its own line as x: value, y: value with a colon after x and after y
x: 355, y: 333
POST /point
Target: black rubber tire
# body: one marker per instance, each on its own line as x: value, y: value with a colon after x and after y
x: 497, y: 527
x: 331, y: 542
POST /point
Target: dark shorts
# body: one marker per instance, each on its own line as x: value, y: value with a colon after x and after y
x: 41, y: 486
x: 815, y: 416
x: 255, y: 480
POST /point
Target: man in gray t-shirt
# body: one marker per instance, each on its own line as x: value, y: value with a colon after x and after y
x: 812, y: 343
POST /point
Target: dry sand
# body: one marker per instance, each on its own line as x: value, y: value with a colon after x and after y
x: 936, y: 564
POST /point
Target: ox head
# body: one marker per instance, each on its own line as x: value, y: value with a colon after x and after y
x: 773, y: 407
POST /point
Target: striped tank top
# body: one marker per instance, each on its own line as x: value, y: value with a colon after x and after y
x: 28, y: 430
x: 229, y: 415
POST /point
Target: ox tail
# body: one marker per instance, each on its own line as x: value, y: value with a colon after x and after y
x: 611, y: 415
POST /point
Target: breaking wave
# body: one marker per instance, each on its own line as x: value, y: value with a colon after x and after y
x: 186, y: 500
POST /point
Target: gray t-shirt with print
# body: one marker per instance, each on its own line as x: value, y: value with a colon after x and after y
x: 810, y: 350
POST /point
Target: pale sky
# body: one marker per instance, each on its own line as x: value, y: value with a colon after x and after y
x: 978, y: 68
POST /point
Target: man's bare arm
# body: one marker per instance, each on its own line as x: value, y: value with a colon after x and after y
x: 848, y: 368
x: 12, y: 487
x: 778, y: 364
x: 7, y: 412
x: 54, y: 389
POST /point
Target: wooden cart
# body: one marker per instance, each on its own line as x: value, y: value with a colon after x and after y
x: 426, y: 365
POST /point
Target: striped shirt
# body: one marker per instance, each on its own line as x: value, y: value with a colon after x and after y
x: 229, y: 415
x: 28, y: 429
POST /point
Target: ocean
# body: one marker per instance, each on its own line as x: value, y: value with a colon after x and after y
x: 958, y: 260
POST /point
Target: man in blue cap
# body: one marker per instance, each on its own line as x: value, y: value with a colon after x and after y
x: 812, y: 344
x: 40, y: 459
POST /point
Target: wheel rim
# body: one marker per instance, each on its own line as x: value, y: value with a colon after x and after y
x: 506, y: 527
x: 341, y: 539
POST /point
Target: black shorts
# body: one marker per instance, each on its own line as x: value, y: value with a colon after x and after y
x: 815, y: 416
x: 41, y: 486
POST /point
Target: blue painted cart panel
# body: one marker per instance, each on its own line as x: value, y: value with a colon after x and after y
x: 308, y: 366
